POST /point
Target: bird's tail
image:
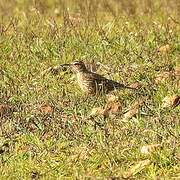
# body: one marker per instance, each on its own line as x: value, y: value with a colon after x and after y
x: 122, y: 86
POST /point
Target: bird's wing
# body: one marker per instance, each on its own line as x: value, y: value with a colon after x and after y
x: 100, y: 80
x: 104, y: 83
x: 96, y: 77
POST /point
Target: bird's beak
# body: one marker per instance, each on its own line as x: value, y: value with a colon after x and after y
x: 63, y: 65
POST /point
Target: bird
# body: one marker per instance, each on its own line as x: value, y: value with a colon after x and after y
x: 92, y: 83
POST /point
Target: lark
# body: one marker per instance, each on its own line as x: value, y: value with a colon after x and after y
x: 92, y: 83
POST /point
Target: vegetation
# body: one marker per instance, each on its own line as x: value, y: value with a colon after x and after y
x: 47, y: 130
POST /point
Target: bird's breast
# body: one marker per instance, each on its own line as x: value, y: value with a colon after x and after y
x: 85, y: 83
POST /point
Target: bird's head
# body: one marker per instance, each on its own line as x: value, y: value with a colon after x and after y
x: 78, y: 66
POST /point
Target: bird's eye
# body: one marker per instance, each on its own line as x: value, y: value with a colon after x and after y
x: 76, y: 63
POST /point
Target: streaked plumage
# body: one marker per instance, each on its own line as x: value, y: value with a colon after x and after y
x: 92, y: 83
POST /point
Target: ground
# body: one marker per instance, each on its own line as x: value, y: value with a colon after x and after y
x: 47, y: 127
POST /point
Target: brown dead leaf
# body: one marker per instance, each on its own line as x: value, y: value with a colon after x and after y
x: 113, y: 105
x: 164, y: 49
x: 135, y: 85
x: 162, y: 77
x: 149, y: 148
x: 131, y: 113
x: 137, y: 168
x: 171, y: 101
x: 46, y: 109
x: 133, y: 110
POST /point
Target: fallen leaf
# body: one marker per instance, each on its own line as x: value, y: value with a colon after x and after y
x: 46, y: 109
x: 149, y: 148
x: 171, y: 101
x: 131, y: 113
x: 133, y: 110
x: 135, y: 85
x: 137, y: 168
x: 113, y: 105
x: 162, y: 77
x: 164, y: 49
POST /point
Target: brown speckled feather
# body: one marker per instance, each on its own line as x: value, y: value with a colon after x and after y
x: 92, y: 83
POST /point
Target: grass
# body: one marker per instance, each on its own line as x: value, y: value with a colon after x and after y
x: 65, y: 142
